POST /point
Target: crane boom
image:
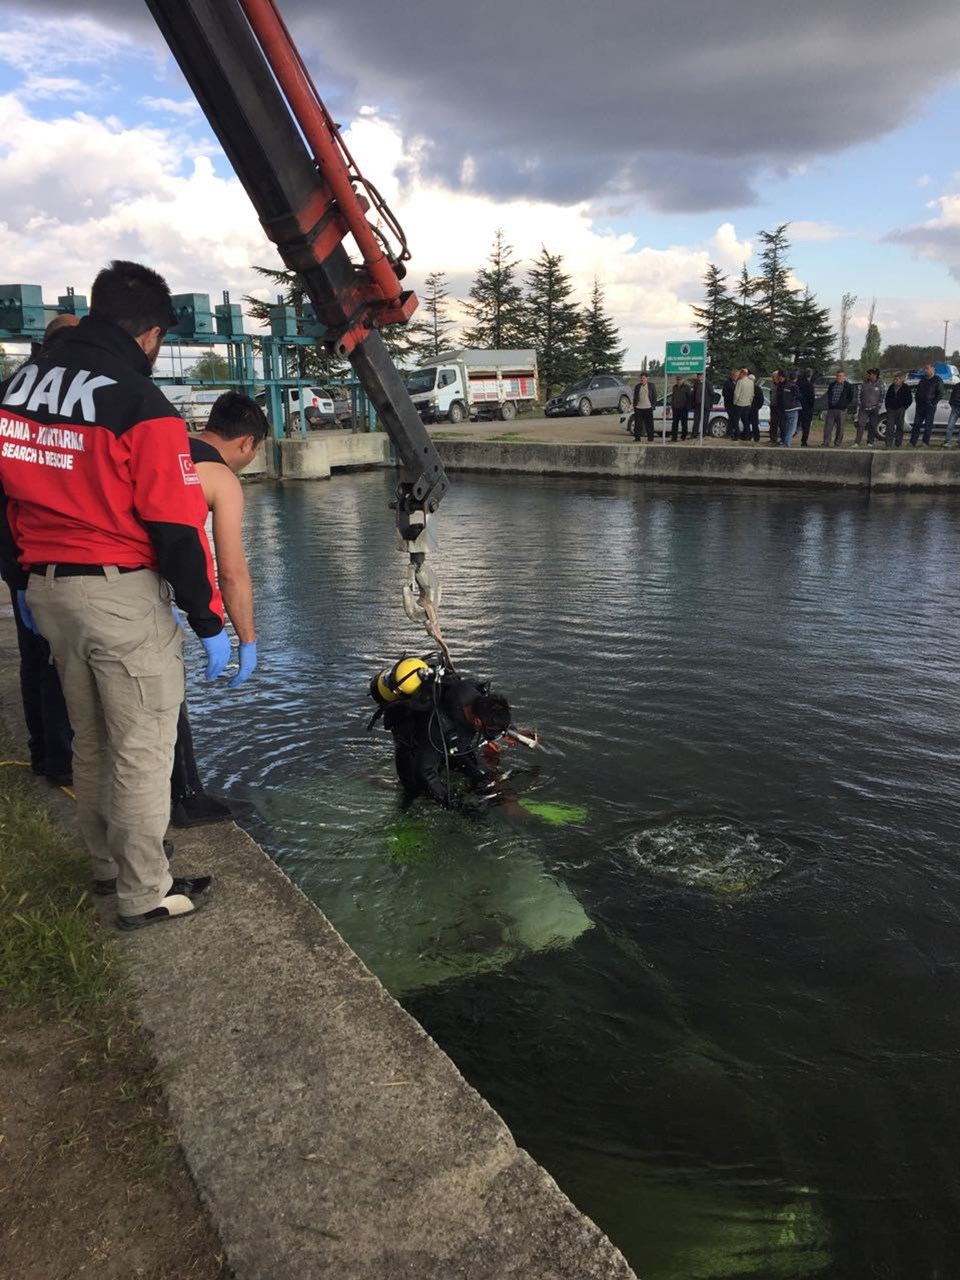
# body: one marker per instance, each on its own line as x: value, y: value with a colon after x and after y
x: 252, y: 85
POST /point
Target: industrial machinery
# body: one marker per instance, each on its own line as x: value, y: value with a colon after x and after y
x: 288, y: 153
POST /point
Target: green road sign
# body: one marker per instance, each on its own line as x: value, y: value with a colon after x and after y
x: 686, y: 357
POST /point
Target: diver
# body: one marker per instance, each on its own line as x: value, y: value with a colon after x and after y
x: 441, y: 723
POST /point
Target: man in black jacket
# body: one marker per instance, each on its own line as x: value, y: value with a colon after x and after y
x: 104, y: 514
x: 928, y: 396
x: 440, y: 732
x: 898, y: 400
x: 807, y: 399
x: 776, y: 406
x: 703, y: 394
x: 954, y: 414
x: 680, y: 408
x: 839, y: 397
x: 644, y: 403
x: 727, y: 391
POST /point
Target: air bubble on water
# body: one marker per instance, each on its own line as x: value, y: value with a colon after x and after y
x: 716, y: 855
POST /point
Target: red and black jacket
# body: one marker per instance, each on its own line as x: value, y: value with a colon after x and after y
x: 95, y: 468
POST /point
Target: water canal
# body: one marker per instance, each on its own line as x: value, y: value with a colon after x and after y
x: 720, y: 1004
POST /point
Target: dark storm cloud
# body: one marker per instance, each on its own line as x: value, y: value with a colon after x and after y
x: 690, y: 104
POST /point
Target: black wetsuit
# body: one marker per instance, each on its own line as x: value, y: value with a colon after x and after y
x: 433, y: 740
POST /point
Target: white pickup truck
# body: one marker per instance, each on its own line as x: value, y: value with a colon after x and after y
x: 474, y: 384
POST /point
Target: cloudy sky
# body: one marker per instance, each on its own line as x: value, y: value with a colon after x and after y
x: 639, y: 142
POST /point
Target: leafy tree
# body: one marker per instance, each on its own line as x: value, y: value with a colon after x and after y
x: 556, y: 326
x: 903, y: 355
x: 8, y: 364
x: 716, y: 320
x: 602, y: 352
x: 496, y: 302
x: 211, y: 367
x: 870, y: 355
x: 847, y: 303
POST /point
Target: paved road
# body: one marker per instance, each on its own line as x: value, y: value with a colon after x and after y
x: 602, y: 428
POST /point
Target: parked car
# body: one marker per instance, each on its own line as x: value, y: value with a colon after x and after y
x: 342, y: 404
x: 600, y: 393
x: 195, y: 408
x: 939, y: 421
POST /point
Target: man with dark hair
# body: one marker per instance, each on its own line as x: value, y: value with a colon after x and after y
x: 790, y: 400
x: 898, y: 400
x: 235, y: 430
x: 679, y: 408
x: 644, y: 403
x: 728, y: 391
x: 440, y: 721
x: 839, y: 396
x: 702, y: 404
x: 928, y: 393
x: 49, y: 736
x: 100, y: 508
x: 808, y: 398
x: 777, y: 383
x: 872, y: 395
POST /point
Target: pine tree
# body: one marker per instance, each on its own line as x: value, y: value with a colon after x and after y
x: 308, y: 362
x: 775, y: 297
x: 749, y: 340
x: 556, y: 325
x: 434, y: 307
x: 602, y: 352
x: 716, y: 320
x: 496, y: 302
x: 809, y: 338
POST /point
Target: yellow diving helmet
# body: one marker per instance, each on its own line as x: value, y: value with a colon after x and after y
x: 403, y: 680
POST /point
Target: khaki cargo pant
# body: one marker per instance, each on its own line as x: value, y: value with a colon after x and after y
x: 119, y: 654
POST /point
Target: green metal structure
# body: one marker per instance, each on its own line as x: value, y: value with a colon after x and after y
x: 24, y: 315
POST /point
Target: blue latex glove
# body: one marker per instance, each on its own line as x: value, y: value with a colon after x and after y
x: 26, y: 617
x: 248, y: 664
x: 218, y: 653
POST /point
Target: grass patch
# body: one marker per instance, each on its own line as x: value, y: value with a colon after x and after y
x: 58, y: 965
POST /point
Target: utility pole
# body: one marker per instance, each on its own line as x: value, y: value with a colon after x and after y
x: 946, y: 326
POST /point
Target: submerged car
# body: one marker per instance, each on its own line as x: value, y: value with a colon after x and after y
x: 600, y: 393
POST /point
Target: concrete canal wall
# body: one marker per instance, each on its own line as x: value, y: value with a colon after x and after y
x: 870, y: 469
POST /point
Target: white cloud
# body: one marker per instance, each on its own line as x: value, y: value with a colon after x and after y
x: 62, y: 42
x: 62, y: 88
x: 804, y: 231
x: 938, y: 238
x: 730, y: 252
x: 186, y: 107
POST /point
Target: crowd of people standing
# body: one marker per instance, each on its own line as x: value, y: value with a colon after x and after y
x: 792, y: 403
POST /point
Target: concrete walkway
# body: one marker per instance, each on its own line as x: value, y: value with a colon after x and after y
x: 328, y: 1135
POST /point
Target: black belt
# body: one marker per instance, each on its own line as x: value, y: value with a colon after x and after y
x: 83, y: 570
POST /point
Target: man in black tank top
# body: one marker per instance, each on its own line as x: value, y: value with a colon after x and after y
x: 229, y: 442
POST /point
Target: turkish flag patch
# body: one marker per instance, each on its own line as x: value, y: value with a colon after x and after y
x: 188, y: 469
